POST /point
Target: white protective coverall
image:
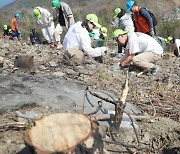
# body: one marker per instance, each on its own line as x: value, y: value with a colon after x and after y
x: 47, y: 24
x: 78, y: 37
x: 124, y: 23
x: 177, y: 47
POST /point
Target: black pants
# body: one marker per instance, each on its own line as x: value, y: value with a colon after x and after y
x: 120, y: 48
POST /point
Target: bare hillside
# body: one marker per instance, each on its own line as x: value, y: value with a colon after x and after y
x: 165, y: 10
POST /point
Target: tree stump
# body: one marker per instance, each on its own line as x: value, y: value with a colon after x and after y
x: 64, y: 132
x: 24, y: 62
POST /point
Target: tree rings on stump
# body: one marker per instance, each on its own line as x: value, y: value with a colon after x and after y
x: 60, y: 132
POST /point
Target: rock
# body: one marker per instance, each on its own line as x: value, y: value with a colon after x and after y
x: 116, y: 67
x: 8, y: 141
x: 53, y: 64
x: 42, y: 67
x: 128, y: 124
x: 74, y: 55
x: 59, y: 74
x: 28, y: 115
x: 162, y: 94
x: 1, y: 61
x: 71, y: 72
x: 145, y: 101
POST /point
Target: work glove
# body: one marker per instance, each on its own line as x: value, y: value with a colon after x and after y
x: 151, y: 32
x: 104, y: 50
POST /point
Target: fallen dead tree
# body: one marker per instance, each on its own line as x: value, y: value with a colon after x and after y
x: 119, y: 110
x: 119, y: 105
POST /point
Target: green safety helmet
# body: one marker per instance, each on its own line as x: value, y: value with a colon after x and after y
x: 56, y: 3
x: 116, y: 12
x: 118, y: 32
x: 37, y: 13
x: 104, y: 31
x: 168, y: 40
x: 5, y: 27
x: 94, y: 19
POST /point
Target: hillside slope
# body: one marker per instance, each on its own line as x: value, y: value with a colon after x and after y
x: 163, y: 9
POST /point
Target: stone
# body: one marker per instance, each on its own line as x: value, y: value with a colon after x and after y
x: 76, y: 56
x: 59, y: 74
x: 1, y: 61
x: 28, y: 115
x: 53, y: 64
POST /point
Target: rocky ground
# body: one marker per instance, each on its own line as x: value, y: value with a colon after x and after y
x: 54, y: 84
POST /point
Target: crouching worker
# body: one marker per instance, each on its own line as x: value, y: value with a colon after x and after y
x: 175, y: 44
x: 78, y: 37
x: 45, y: 20
x: 141, y: 49
x: 6, y: 30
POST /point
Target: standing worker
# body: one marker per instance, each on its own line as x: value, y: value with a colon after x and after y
x: 143, y: 21
x: 124, y: 21
x: 64, y: 18
x: 15, y: 26
x: 45, y: 20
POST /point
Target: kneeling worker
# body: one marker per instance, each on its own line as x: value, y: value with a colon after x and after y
x: 6, y: 30
x: 141, y: 49
x: 78, y: 37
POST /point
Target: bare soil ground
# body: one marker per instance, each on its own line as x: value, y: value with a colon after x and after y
x: 157, y: 95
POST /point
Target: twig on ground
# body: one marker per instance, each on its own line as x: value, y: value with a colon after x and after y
x: 126, y: 145
x: 154, y: 115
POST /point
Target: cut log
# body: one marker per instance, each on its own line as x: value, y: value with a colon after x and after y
x: 61, y: 132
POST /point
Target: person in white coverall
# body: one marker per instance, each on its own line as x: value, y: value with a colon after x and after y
x: 45, y: 20
x: 78, y: 37
x: 64, y: 18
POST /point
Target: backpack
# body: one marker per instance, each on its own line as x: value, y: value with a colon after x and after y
x: 34, y: 37
x: 152, y: 16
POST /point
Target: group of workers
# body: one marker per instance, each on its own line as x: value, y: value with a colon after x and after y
x: 13, y: 30
x: 135, y: 33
